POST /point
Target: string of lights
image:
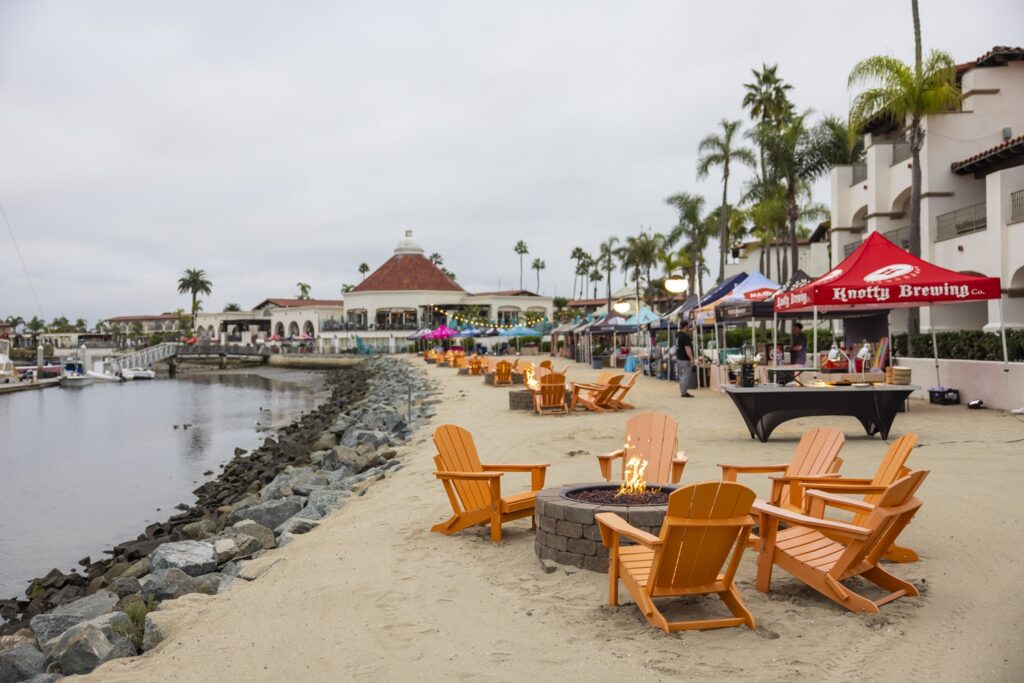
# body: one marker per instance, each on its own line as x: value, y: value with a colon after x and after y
x: 529, y: 319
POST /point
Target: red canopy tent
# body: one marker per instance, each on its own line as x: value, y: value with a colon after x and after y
x: 880, y: 274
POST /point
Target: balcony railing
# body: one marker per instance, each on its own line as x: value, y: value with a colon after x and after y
x: 900, y: 151
x: 960, y: 222
x: 1017, y: 206
x: 900, y: 236
x: 850, y: 248
x: 860, y: 174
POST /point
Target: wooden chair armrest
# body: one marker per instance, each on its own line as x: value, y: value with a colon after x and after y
x: 587, y: 385
x: 808, y: 479
x: 680, y: 457
x: 604, y: 460
x: 612, y: 455
x: 841, y: 502
x: 514, y: 468
x: 611, y: 524
x: 839, y: 487
x: 729, y: 472
x: 468, y: 475
x: 766, y: 510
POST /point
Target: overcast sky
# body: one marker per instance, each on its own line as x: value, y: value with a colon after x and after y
x: 272, y: 142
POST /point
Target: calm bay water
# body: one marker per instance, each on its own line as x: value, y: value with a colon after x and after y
x: 84, y: 469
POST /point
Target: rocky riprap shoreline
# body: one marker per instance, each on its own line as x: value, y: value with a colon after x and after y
x: 70, y: 623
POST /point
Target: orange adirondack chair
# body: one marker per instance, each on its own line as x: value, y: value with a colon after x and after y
x: 655, y: 438
x: 595, y: 397
x: 549, y: 395
x: 822, y: 563
x: 817, y: 455
x: 704, y: 522
x: 617, y: 398
x: 889, y: 470
x: 476, y: 366
x: 503, y: 374
x: 474, y: 489
x: 546, y: 364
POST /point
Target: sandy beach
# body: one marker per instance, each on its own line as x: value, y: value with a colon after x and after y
x: 373, y: 595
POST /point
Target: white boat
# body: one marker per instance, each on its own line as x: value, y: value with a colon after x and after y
x: 75, y: 379
x: 103, y: 376
x: 137, y: 373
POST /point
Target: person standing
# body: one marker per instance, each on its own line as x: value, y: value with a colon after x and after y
x: 684, y: 358
x: 798, y: 349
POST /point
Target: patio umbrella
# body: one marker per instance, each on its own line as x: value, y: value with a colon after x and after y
x: 470, y: 331
x: 442, y: 332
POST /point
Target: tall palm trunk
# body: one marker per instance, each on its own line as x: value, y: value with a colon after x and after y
x: 608, y: 283
x: 916, y: 142
x: 723, y: 234
x: 192, y: 323
x: 777, y: 242
x: 792, y: 213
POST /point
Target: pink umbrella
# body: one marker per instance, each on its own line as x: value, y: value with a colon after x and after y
x: 443, y: 332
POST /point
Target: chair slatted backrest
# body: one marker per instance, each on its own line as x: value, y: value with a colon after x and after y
x: 546, y: 364
x: 892, y: 467
x: 815, y: 454
x: 895, y: 509
x: 655, y: 438
x: 693, y: 555
x: 552, y: 391
x: 456, y: 452
x: 602, y: 396
x: 503, y: 372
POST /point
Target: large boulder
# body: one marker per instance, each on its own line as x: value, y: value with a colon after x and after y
x: 269, y: 514
x: 167, y: 584
x: 252, y: 529
x: 20, y: 659
x: 225, y: 549
x: 125, y: 585
x: 327, y: 439
x: 325, y: 500
x: 153, y: 633
x: 48, y: 627
x: 84, y: 647
x: 192, y: 557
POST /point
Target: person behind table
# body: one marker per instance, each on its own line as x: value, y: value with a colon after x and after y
x: 684, y: 358
x: 798, y: 349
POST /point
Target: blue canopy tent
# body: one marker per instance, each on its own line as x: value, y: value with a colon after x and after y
x: 518, y: 332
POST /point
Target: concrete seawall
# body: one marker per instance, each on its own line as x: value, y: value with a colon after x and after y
x: 974, y: 378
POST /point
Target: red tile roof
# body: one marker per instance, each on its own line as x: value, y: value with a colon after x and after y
x: 131, y: 318
x: 408, y: 272
x: 990, y: 157
x: 999, y: 55
x: 299, y: 303
x: 507, y: 292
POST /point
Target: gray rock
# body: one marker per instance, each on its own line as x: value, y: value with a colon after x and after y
x: 89, y: 607
x: 20, y: 661
x: 125, y: 585
x: 270, y: 513
x: 48, y: 627
x: 81, y: 649
x: 197, y: 531
x: 225, y: 549
x: 247, y: 545
x: 258, y: 531
x: 192, y: 557
x: 284, y: 539
x: 167, y: 584
x: 227, y: 582
x: 122, y: 647
x: 137, y: 569
x: 327, y: 439
x: 152, y: 634
x: 46, y: 678
x: 297, y: 526
x: 208, y: 584
x: 308, y: 512
x: 325, y: 500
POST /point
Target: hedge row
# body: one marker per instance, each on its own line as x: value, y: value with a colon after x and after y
x: 965, y: 345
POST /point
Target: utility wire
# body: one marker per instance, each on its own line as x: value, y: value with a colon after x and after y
x: 17, y: 250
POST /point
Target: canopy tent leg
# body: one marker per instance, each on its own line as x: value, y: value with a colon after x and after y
x: 815, y: 349
x: 775, y: 339
x: 1006, y: 356
x: 935, y: 348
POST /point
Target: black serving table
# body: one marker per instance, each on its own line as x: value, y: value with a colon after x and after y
x: 766, y: 407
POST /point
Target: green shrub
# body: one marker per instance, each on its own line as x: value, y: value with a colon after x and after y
x: 965, y: 345
x: 135, y: 629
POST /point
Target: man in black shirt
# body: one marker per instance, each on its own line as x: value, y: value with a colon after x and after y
x: 684, y: 358
x: 798, y: 349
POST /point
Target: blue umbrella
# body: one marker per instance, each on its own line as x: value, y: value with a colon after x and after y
x: 470, y: 331
x: 520, y: 331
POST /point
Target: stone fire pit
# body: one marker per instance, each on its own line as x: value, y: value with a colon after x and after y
x: 522, y: 399
x: 568, y: 534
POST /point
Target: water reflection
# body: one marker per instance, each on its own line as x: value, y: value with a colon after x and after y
x: 82, y: 470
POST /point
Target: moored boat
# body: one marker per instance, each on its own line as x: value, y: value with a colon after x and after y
x: 137, y: 373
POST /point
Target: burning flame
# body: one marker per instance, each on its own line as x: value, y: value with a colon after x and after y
x: 633, y: 480
x: 528, y: 378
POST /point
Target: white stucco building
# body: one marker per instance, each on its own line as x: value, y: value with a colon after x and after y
x: 972, y: 208
x: 277, y: 317
x: 408, y: 292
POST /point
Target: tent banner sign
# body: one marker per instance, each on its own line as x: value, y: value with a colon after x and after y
x: 880, y: 274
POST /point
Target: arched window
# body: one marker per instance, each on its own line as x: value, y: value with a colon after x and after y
x: 293, y: 329
x: 308, y: 329
x: 279, y: 330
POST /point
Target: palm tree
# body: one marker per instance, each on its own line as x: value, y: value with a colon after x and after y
x: 639, y: 255
x: 722, y: 150
x: 303, y: 291
x: 346, y: 288
x: 690, y: 208
x: 905, y: 94
x: 101, y: 327
x: 81, y: 325
x: 595, y: 277
x: 364, y: 268
x: 231, y: 308
x: 194, y: 282
x: 522, y: 250
x: 181, y: 316
x: 436, y: 259
x: 14, y: 321
x: 35, y: 326
x: 538, y: 265
x: 577, y: 256
x: 767, y: 97
x: 607, y: 253
x: 832, y: 140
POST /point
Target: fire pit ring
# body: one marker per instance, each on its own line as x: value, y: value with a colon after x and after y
x: 566, y: 530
